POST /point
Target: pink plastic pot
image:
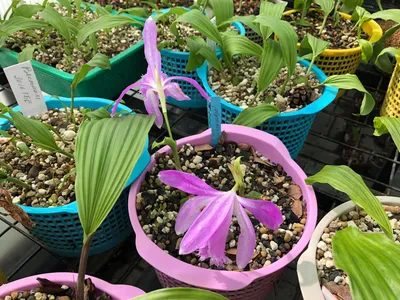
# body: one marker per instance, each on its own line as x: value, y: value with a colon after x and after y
x: 117, y: 292
x: 233, y: 285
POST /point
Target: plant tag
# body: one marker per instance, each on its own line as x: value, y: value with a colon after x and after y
x: 215, y: 119
x: 26, y: 88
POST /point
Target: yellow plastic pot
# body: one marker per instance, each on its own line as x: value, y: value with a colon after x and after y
x: 343, y: 61
x: 391, y: 104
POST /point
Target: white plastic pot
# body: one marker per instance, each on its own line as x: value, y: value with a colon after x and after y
x: 306, y: 266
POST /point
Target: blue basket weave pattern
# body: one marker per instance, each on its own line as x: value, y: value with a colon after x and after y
x: 290, y: 127
x: 59, y: 228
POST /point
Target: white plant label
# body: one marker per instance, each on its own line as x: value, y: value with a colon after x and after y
x: 24, y: 84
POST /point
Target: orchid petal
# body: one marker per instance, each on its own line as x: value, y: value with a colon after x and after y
x: 189, y: 212
x: 216, y: 244
x: 151, y: 52
x: 265, y: 211
x: 114, y: 109
x: 173, y: 90
x: 207, y: 223
x: 247, y: 237
x: 151, y: 105
x: 203, y: 253
x: 192, y: 82
x: 188, y: 183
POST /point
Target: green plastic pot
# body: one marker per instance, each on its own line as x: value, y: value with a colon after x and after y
x: 126, y: 67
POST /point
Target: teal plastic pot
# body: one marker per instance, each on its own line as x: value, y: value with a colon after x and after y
x: 59, y: 228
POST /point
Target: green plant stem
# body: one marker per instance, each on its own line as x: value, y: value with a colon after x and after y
x: 72, y: 107
x: 304, y: 12
x: 335, y: 11
x: 80, y: 284
x: 204, y: 7
x: 323, y: 23
x: 167, y: 125
x: 19, y: 182
x: 66, y: 153
x: 310, y: 66
x: 379, y: 4
x: 282, y: 89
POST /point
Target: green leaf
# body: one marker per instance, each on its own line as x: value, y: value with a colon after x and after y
x: 388, y: 125
x: 254, y: 195
x: 236, y: 44
x: 27, y: 53
x: 99, y: 60
x: 27, y: 10
x: 23, y: 148
x: 254, y: 116
x: 269, y: 9
x: 326, y: 5
x: 349, y: 82
x: 222, y: 9
x: 287, y: 40
x: 312, y: 45
x: 388, y: 14
x: 164, y: 16
x: 199, y: 52
x: 66, y: 4
x: 180, y: 293
x: 366, y: 50
x: 102, y: 175
x: 101, y: 11
x: 246, y: 20
x: 51, y: 16
x: 345, y: 180
x: 36, y: 130
x: 360, y: 13
x: 101, y: 23
x: 382, y: 60
x: 19, y: 23
x: 271, y: 64
x: 149, y: 3
x: 137, y: 11
x: 202, y: 24
x: 349, y: 5
x: 371, y: 261
x: 98, y: 114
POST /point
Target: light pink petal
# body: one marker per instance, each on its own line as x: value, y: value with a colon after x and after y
x: 151, y: 52
x: 114, y: 109
x: 203, y: 253
x: 207, y: 223
x: 265, y: 211
x: 192, y: 82
x: 189, y: 212
x: 247, y: 237
x: 151, y: 105
x: 216, y: 244
x: 173, y: 90
x: 186, y: 182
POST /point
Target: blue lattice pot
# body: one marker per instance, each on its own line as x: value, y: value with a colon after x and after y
x: 290, y: 127
x: 59, y: 228
x: 173, y: 63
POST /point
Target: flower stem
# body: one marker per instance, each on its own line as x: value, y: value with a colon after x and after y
x: 310, y: 67
x: 323, y: 24
x: 80, y: 284
x: 167, y: 125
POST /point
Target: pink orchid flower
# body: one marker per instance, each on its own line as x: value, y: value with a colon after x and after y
x: 155, y: 85
x: 207, y: 218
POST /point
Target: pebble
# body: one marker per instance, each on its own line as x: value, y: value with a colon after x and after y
x: 329, y: 263
x: 197, y: 159
x: 232, y: 243
x: 274, y: 245
x: 322, y: 245
x: 42, y: 177
x: 16, y: 200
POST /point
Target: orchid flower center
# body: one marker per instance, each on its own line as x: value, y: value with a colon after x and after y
x: 160, y: 91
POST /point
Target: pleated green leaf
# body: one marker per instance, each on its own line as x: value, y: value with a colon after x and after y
x: 27, y: 10
x: 366, y: 50
x: 222, y: 9
x: 349, y: 5
x: 349, y: 82
x: 312, y: 45
x: 199, y: 51
x: 104, y: 22
x: 66, y: 4
x: 270, y: 9
x: 27, y: 53
x: 241, y: 45
x: 107, y: 151
x: 371, y: 261
x: 326, y: 5
x: 19, y: 23
x: 388, y: 125
x: 246, y: 20
x: 349, y: 182
x: 382, y: 60
x: 388, y: 14
x: 36, y: 130
x: 51, y: 16
x: 202, y: 24
x: 271, y: 64
x: 99, y: 60
x: 254, y: 116
x: 287, y: 39
x: 180, y: 294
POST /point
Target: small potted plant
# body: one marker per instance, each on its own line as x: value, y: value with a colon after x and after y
x: 347, y: 34
x: 175, y: 45
x: 190, y: 174
x: 38, y: 169
x: 250, y: 78
x: 53, y: 36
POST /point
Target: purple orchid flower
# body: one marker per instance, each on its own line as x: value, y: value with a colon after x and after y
x: 207, y: 217
x: 155, y: 85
